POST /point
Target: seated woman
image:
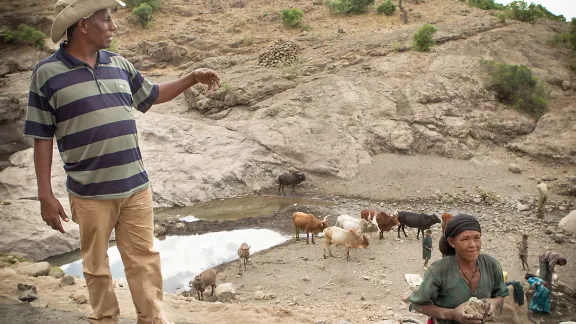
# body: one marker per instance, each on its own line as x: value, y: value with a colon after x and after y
x: 541, y: 300
x: 450, y: 282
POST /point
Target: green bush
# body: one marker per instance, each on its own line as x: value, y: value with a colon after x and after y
x: 485, y: 4
x: 522, y: 11
x: 422, y: 40
x: 154, y: 4
x: 348, y: 6
x: 386, y: 7
x: 515, y: 85
x: 144, y: 14
x: 573, y: 34
x: 502, y: 16
x: 25, y: 35
x: 291, y: 17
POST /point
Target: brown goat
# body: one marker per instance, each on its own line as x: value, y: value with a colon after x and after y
x: 202, y: 281
x: 243, y: 254
x: 309, y: 223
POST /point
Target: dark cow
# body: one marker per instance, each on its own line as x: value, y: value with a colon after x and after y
x: 420, y: 221
x: 290, y: 178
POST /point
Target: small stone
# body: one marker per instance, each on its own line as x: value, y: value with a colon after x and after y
x: 514, y: 168
x: 390, y: 314
x: 28, y: 295
x: 259, y: 295
x: 308, y: 293
x: 549, y: 230
x: 566, y: 85
x: 67, y: 281
x: 341, y: 31
x: 79, y: 299
x: 558, y: 238
x: 366, y: 278
x: 306, y: 279
x: 295, y: 300
x: 225, y: 292
x: 56, y: 272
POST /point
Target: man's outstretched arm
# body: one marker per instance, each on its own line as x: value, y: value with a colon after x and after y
x: 170, y: 90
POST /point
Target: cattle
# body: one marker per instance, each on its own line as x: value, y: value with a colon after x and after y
x: 243, y: 254
x: 202, y: 281
x: 384, y: 221
x: 290, y: 178
x: 359, y: 225
x: 445, y: 218
x: 349, y: 239
x: 308, y: 223
x: 420, y: 221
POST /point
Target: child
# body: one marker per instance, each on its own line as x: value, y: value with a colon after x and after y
x: 427, y: 248
x: 523, y: 251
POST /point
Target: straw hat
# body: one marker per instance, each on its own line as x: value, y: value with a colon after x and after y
x: 74, y: 10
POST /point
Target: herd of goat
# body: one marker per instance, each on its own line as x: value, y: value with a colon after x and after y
x: 348, y: 231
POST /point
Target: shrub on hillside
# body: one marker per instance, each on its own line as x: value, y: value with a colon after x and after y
x: 422, y: 40
x: 144, y: 14
x: 485, y: 4
x: 291, y: 17
x: 348, y: 6
x: 386, y: 7
x: 154, y: 4
x: 522, y: 11
x: 573, y: 34
x: 25, y: 35
x: 515, y: 85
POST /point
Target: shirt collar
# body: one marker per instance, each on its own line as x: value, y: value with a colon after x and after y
x: 71, y: 62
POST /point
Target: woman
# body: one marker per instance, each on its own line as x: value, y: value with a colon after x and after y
x: 450, y: 282
x: 548, y: 262
x: 541, y: 300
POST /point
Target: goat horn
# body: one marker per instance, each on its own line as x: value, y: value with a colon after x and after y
x: 325, y: 217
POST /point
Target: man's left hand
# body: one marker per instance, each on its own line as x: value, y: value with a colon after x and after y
x: 208, y: 77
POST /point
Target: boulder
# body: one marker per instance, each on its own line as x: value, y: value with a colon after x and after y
x: 225, y: 292
x: 35, y: 270
x: 568, y: 222
x: 28, y: 294
x: 33, y: 240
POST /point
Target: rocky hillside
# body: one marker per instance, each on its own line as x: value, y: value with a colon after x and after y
x: 354, y: 92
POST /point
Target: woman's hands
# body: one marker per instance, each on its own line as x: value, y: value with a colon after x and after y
x: 460, y: 316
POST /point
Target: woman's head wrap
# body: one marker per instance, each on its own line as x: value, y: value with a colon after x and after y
x: 455, y: 226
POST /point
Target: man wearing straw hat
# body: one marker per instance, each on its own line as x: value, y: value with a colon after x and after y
x: 85, y: 97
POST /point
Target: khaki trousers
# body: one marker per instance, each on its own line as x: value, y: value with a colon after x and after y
x: 133, y: 220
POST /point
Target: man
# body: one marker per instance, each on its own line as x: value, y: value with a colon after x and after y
x: 548, y: 261
x: 542, y: 197
x: 84, y: 96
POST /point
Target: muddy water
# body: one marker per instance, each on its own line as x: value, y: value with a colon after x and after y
x: 185, y: 256
x: 235, y: 208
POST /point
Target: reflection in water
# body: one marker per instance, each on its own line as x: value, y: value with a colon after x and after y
x: 236, y: 208
x: 188, y: 219
x: 183, y: 257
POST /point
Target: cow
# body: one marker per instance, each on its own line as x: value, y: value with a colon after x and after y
x: 445, y: 218
x: 202, y: 281
x: 349, y: 239
x: 359, y: 225
x: 290, y: 178
x: 420, y: 221
x: 243, y: 254
x: 384, y: 221
x: 308, y: 223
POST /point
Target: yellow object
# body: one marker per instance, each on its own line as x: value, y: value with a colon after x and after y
x: 505, y: 274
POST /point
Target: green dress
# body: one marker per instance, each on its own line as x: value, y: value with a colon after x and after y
x: 426, y: 253
x: 443, y: 285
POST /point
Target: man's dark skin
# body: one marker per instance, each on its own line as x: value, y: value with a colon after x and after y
x: 91, y: 35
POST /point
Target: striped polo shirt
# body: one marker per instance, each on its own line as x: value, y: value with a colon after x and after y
x: 89, y: 111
